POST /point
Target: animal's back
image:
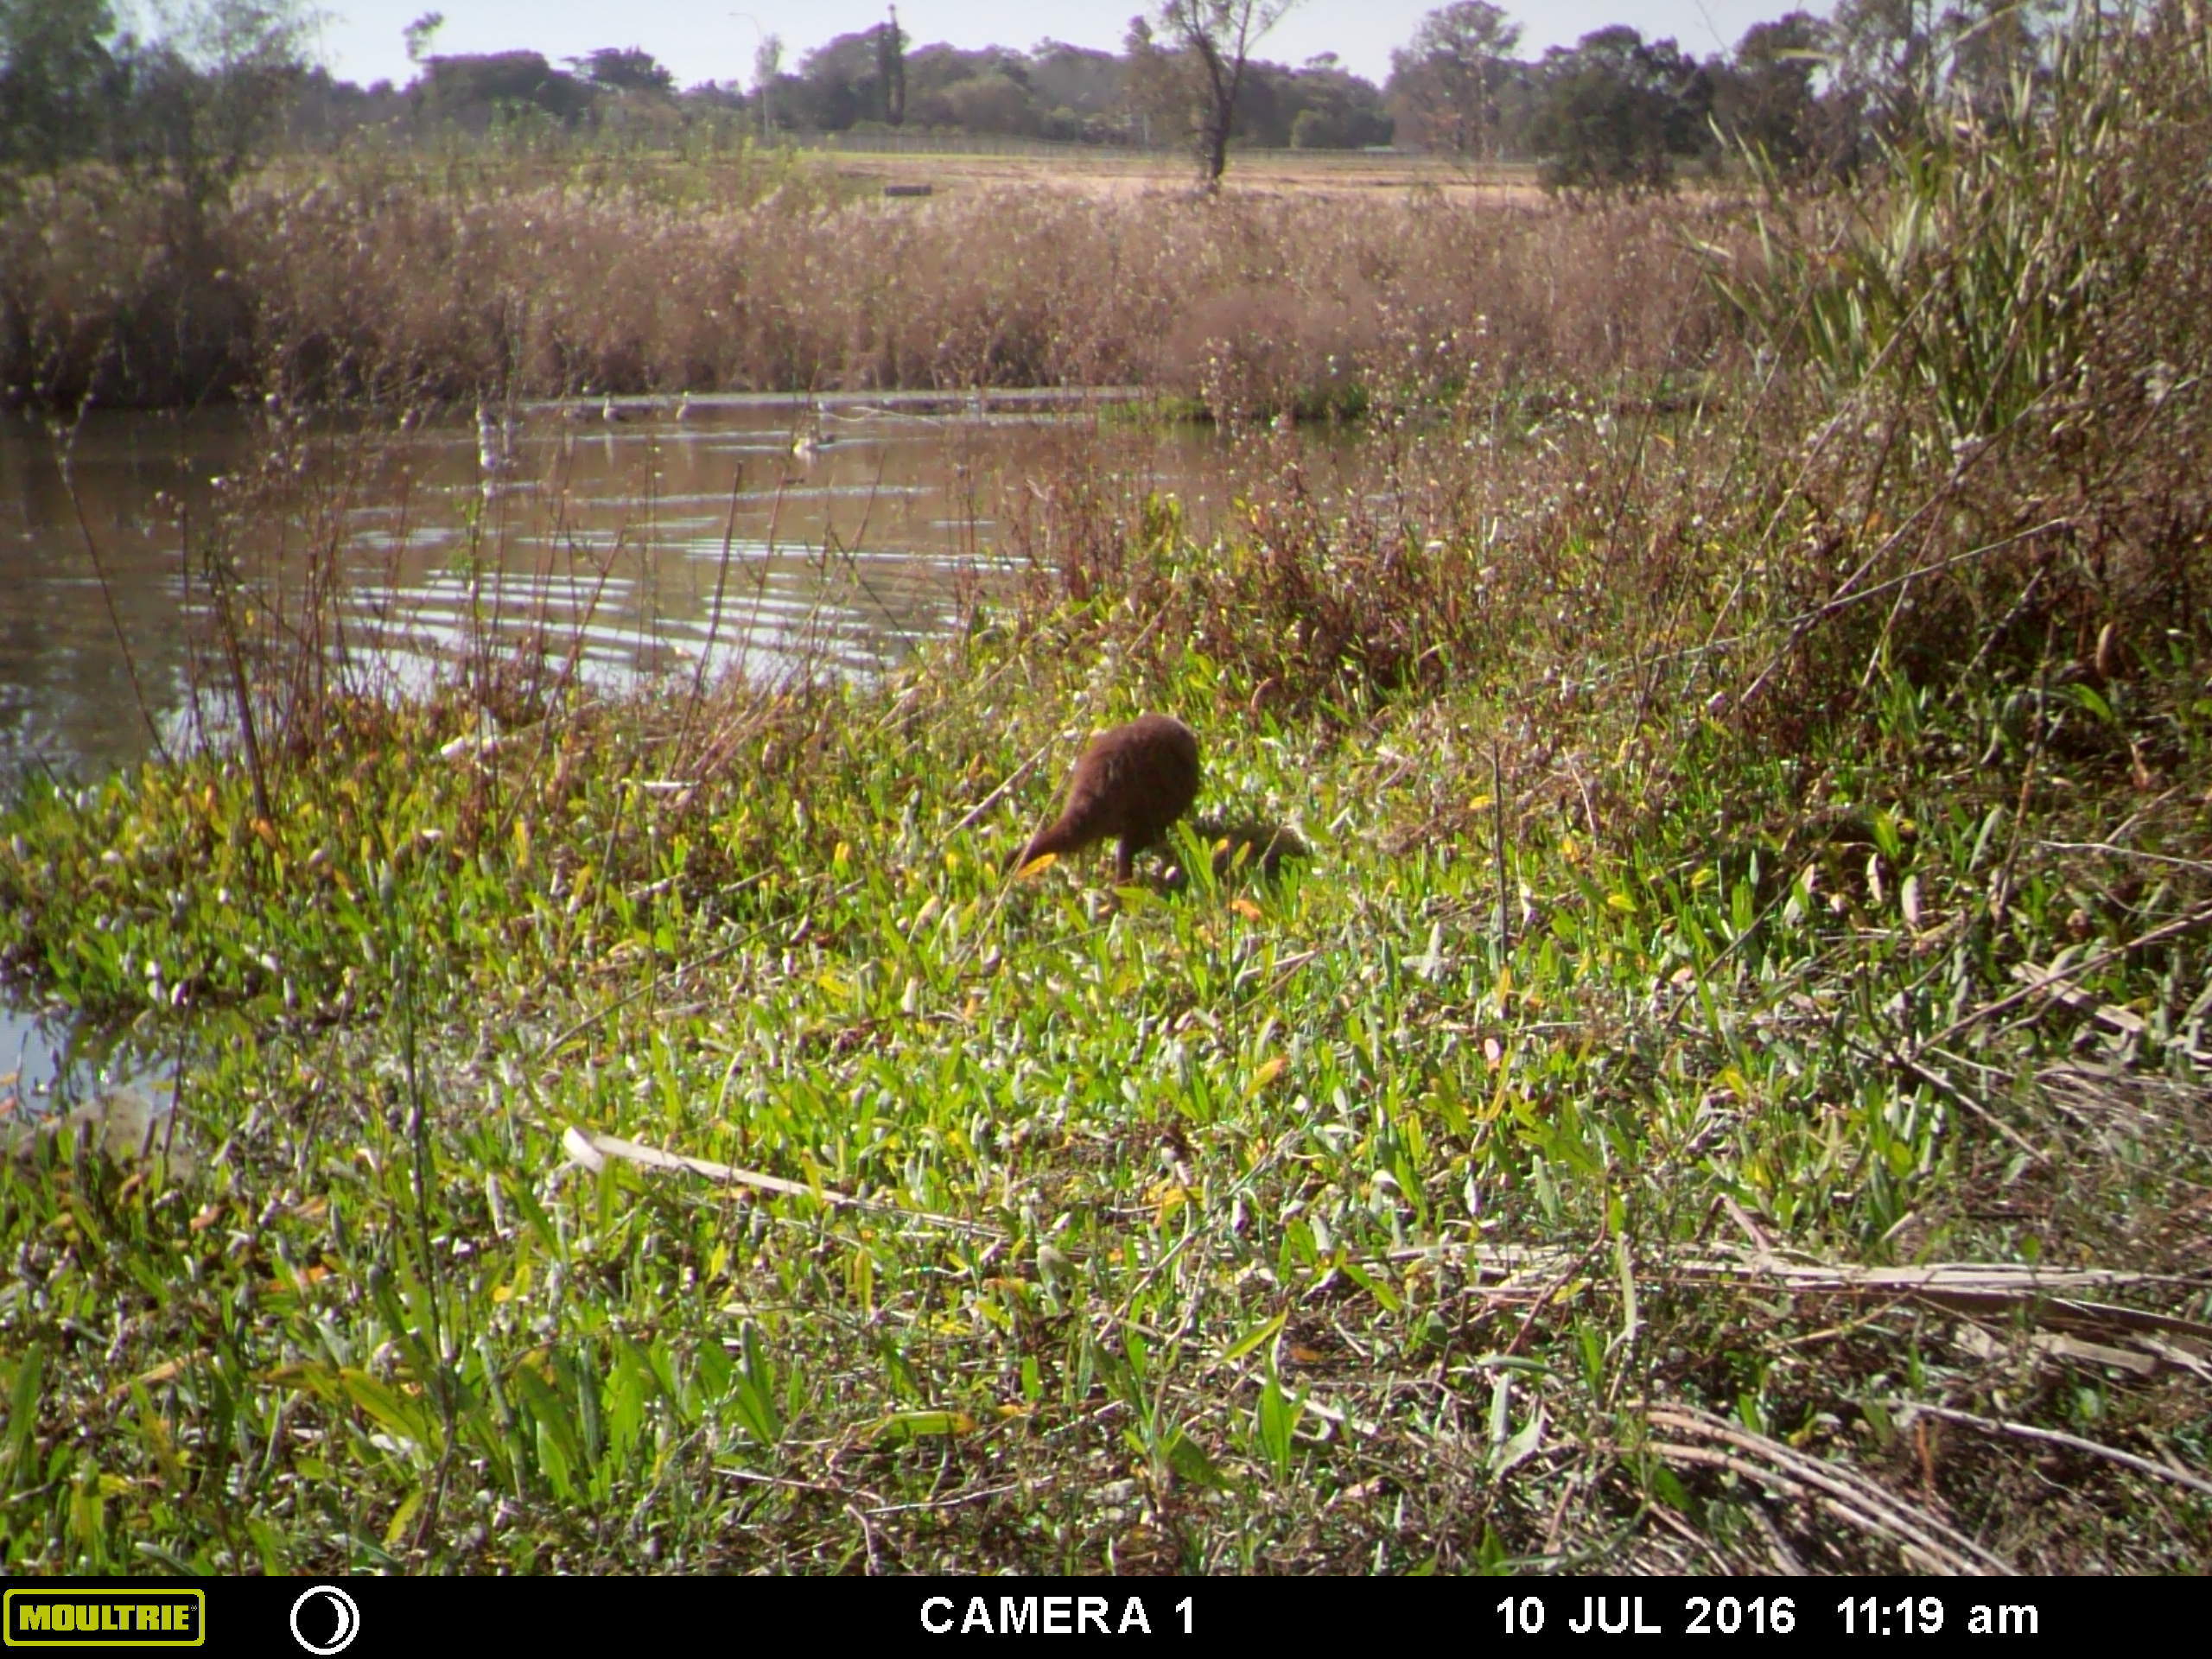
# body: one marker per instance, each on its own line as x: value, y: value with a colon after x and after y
x: 1131, y: 783
x: 1135, y: 780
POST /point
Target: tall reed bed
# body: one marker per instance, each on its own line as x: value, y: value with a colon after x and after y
x: 381, y: 284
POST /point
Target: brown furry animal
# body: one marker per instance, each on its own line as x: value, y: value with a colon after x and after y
x: 1131, y: 783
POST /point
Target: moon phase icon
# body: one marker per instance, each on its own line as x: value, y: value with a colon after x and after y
x: 347, y: 1616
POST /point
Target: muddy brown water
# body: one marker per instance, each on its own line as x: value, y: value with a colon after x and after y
x: 747, y: 532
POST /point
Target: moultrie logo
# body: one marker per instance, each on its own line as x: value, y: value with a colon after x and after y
x: 105, y: 1619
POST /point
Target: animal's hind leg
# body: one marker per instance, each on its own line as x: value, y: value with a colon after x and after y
x: 1125, y: 857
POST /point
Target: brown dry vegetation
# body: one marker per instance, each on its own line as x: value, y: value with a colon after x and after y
x: 1261, y: 173
x: 391, y: 287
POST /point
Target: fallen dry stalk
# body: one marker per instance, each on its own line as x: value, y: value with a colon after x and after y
x: 2048, y: 982
x: 1843, y: 1492
x: 1908, y: 1409
x: 590, y: 1150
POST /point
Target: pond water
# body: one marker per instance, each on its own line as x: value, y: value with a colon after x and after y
x: 639, y: 537
x: 750, y: 530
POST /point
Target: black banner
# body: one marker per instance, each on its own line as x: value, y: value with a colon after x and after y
x: 368, y: 1617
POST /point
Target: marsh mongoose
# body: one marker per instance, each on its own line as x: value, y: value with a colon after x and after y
x: 1130, y: 783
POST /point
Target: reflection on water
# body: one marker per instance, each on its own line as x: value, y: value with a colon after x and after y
x: 633, y: 539
x: 54, y: 1072
x: 636, y: 538
x: 127, y: 1124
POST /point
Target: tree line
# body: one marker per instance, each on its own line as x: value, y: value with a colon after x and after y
x: 1615, y: 112
x: 198, y: 101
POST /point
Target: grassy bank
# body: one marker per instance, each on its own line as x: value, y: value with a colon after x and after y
x: 1727, y: 1091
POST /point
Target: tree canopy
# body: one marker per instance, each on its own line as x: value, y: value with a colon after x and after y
x: 1614, y: 112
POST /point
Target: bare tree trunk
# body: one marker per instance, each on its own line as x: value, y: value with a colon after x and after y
x: 1220, y: 114
x: 1220, y: 34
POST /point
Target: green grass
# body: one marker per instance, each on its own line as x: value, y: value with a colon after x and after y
x: 1170, y: 1224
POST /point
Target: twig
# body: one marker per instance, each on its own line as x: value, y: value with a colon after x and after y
x: 2001, y: 890
x: 115, y: 620
x: 867, y: 1537
x: 715, y: 614
x: 2124, y: 852
x: 2195, y: 918
x: 1907, y: 1409
x: 590, y: 1150
x: 1943, y: 1085
x: 948, y: 1503
x: 758, y: 1479
x: 1774, y: 1480
x: 1949, y: 1549
x: 1497, y: 810
x: 1007, y: 783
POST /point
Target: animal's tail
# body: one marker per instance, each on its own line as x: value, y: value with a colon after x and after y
x: 1257, y: 843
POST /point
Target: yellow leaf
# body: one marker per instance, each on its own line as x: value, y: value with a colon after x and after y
x: 1270, y: 1069
x: 401, y: 1516
x: 1247, y: 909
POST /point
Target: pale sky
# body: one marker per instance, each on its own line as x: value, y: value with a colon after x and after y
x: 703, y: 40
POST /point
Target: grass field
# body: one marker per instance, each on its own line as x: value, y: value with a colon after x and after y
x: 1727, y: 1091
x: 1261, y: 173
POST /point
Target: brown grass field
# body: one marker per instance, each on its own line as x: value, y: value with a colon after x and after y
x: 1266, y: 173
x: 399, y: 279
